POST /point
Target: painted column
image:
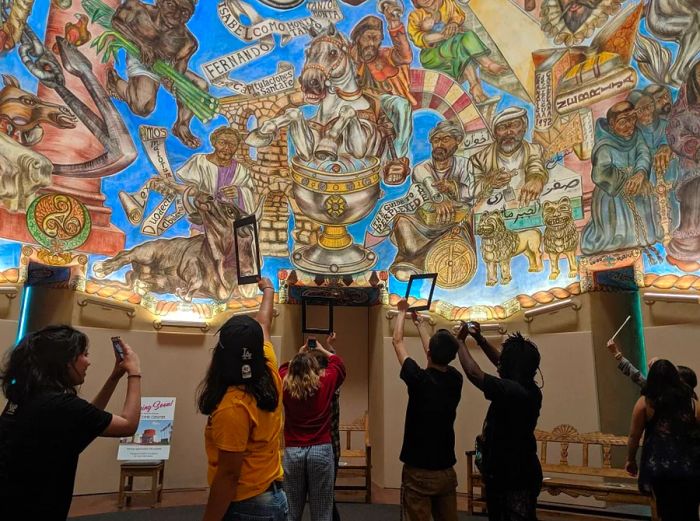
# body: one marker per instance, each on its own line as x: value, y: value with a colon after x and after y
x: 78, y: 145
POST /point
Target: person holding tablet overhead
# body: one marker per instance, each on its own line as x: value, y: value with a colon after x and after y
x: 45, y: 425
x: 241, y: 395
x: 428, y: 480
x: 506, y: 448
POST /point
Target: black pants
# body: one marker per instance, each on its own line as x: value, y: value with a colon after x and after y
x: 677, y: 500
x: 511, y: 505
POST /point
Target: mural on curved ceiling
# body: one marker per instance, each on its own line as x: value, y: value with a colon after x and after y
x: 515, y: 147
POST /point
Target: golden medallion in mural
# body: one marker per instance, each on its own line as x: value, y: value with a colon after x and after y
x: 336, y: 206
x: 453, y: 259
x: 58, y: 222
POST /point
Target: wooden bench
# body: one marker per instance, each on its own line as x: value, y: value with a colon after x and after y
x: 604, y: 483
x: 354, y: 462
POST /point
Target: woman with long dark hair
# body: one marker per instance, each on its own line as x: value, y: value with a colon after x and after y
x: 668, y: 416
x: 309, y: 465
x: 241, y: 395
x: 45, y: 425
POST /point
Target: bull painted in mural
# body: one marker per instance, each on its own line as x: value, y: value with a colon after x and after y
x: 202, y: 265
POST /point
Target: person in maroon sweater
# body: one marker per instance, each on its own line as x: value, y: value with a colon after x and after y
x: 308, y: 454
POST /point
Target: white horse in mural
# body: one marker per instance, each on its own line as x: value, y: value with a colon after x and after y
x: 347, y: 121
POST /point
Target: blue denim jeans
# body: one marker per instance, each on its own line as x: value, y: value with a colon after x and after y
x: 268, y: 506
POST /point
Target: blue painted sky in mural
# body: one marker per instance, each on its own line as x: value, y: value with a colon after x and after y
x: 215, y: 40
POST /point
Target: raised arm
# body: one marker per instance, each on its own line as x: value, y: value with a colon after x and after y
x: 493, y: 354
x: 126, y: 423
x: 319, y: 347
x: 469, y: 365
x: 397, y: 340
x: 102, y: 398
x: 424, y: 336
x: 625, y: 366
x: 330, y: 342
x: 264, y: 316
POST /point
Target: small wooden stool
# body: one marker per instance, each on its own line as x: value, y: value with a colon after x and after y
x: 135, y: 469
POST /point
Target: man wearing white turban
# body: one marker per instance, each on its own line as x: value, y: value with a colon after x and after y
x: 449, y: 212
x: 510, y: 164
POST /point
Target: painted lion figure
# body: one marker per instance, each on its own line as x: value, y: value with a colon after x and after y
x: 560, y: 235
x: 499, y: 245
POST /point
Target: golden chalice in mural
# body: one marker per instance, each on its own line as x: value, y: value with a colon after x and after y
x: 335, y: 194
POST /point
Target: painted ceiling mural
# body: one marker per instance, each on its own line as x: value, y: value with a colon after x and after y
x: 514, y: 147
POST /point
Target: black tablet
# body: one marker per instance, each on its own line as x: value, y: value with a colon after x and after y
x: 245, y: 235
x: 317, y: 315
x: 421, y: 287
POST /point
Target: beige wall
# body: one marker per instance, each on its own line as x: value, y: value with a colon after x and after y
x: 568, y: 367
x: 672, y: 331
x: 9, y: 309
x: 173, y: 365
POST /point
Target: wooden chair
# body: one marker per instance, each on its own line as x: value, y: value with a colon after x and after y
x: 356, y: 461
x: 135, y: 469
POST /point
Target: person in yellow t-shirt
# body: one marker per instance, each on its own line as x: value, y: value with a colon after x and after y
x: 242, y: 396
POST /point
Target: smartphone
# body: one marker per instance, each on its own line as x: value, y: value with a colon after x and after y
x: 118, y: 347
x: 311, y: 343
x: 463, y: 331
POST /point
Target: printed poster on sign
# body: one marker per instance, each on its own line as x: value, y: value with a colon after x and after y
x: 154, y: 434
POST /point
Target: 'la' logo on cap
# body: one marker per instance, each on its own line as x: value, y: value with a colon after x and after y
x: 247, y: 355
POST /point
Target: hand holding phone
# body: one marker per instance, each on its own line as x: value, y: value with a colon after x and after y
x: 311, y: 343
x: 463, y: 332
x: 118, y: 347
x: 474, y: 328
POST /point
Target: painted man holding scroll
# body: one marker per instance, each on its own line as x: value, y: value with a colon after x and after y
x: 218, y: 173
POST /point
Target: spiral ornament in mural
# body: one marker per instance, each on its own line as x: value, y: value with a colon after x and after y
x: 58, y: 222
